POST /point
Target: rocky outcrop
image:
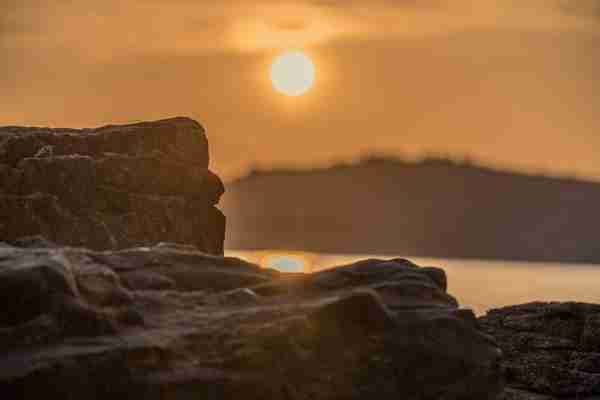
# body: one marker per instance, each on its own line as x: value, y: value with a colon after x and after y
x: 169, y: 322
x: 112, y: 187
x: 552, y: 350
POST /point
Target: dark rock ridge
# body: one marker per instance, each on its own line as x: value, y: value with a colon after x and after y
x: 433, y: 208
x: 111, y: 187
x: 169, y: 322
x: 552, y: 350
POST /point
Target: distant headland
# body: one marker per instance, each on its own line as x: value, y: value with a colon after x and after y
x: 435, y: 207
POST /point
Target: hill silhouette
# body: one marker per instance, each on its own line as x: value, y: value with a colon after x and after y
x: 434, y: 208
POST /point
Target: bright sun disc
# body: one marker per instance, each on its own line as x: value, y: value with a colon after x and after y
x: 292, y: 73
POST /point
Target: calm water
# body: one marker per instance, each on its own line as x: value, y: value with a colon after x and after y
x: 478, y: 284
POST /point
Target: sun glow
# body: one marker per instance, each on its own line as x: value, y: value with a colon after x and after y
x: 292, y: 73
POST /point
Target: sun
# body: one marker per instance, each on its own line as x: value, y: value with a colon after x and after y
x: 292, y: 73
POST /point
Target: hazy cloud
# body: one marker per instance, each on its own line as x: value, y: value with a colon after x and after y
x: 110, y: 27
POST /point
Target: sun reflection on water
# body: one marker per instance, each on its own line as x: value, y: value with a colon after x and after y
x: 286, y: 262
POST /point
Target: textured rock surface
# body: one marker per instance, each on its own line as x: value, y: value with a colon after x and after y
x: 168, y: 322
x: 112, y: 187
x: 552, y: 350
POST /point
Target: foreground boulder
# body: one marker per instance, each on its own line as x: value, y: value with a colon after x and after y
x: 111, y: 187
x: 169, y: 322
x: 552, y: 350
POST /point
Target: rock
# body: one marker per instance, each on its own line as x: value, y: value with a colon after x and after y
x: 101, y: 286
x: 552, y: 349
x: 181, y: 267
x: 179, y: 139
x: 356, y: 312
x: 437, y: 275
x: 236, y: 297
x: 170, y: 322
x: 45, y: 151
x: 32, y: 242
x: 112, y: 187
x: 41, y: 330
x: 516, y: 394
x: 43, y: 282
x: 147, y: 280
x: 31, y: 283
x: 399, y: 282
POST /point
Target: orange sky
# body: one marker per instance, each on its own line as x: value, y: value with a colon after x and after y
x: 506, y: 82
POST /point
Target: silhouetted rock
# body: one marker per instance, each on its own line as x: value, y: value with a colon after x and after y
x: 169, y: 322
x: 552, y: 350
x: 112, y: 187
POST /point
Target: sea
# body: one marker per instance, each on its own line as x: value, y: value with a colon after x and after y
x: 477, y: 284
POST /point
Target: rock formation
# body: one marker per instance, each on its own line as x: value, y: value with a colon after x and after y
x: 169, y: 322
x: 552, y: 350
x: 112, y: 187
